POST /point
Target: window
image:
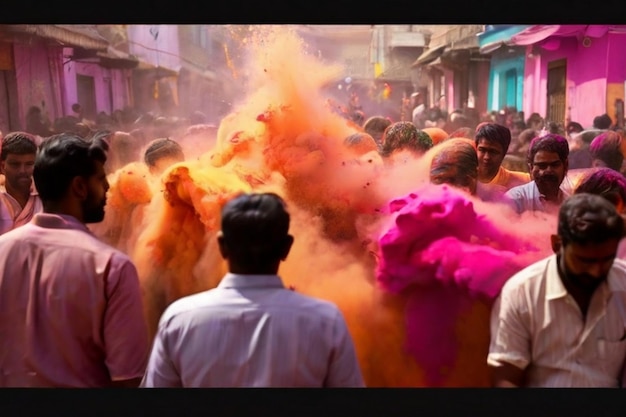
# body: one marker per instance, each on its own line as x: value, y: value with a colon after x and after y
x: 200, y: 35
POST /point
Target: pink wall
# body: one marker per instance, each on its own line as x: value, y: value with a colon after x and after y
x: 102, y: 77
x: 616, y: 72
x: 586, y: 78
x: 37, y: 69
x: 164, y: 51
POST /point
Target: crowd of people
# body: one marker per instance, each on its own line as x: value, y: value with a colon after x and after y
x: 98, y: 290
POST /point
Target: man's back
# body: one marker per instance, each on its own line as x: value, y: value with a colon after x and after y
x: 68, y: 308
x: 251, y: 331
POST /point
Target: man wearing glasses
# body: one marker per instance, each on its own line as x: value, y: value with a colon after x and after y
x: 547, y: 163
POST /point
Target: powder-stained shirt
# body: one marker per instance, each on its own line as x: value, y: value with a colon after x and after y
x: 528, y: 198
x: 250, y: 331
x: 536, y: 325
x: 70, y: 308
x: 12, y: 215
x: 509, y: 179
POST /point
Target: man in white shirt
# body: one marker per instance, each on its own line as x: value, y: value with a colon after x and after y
x: 561, y: 322
x: 548, y: 163
x: 251, y: 331
x: 418, y: 110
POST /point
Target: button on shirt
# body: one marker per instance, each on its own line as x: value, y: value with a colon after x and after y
x: 70, y: 308
x: 537, y: 326
x: 250, y: 331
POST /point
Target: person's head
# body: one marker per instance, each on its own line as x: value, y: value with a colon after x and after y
x: 573, y: 128
x: 82, y: 130
x: 405, y: 136
x: 455, y: 163
x: 161, y: 154
x: 526, y: 136
x: 588, y: 234
x: 375, y: 126
x: 197, y: 117
x: 360, y: 143
x: 555, y: 128
x: 605, y: 182
x: 70, y: 177
x: 462, y: 132
x: 517, y: 126
x: 535, y: 121
x: 17, y: 159
x: 254, y: 236
x: 492, y: 144
x: 602, y: 122
x: 548, y: 162
x: 76, y: 108
x: 606, y: 150
x: 123, y: 149
x: 436, y: 134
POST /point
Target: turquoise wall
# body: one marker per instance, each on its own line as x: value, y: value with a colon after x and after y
x: 506, y: 80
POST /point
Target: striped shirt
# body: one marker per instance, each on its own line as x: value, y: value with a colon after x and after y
x: 251, y: 331
x: 537, y: 326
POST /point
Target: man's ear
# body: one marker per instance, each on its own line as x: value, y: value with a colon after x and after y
x: 287, y: 247
x: 79, y: 187
x: 222, y: 245
x: 556, y: 242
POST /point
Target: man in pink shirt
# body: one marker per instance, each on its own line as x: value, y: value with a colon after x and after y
x: 19, y: 200
x: 70, y: 306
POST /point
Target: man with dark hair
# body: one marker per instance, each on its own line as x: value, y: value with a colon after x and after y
x: 573, y: 128
x: 70, y: 307
x: 19, y: 200
x: 454, y: 162
x: 548, y: 163
x: 404, y: 136
x: 560, y: 321
x: 606, y: 151
x: 375, y: 126
x: 251, y: 331
x: 605, y: 182
x: 161, y: 153
x: 492, y: 144
x: 602, y: 122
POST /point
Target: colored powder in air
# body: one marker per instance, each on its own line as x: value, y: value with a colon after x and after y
x: 452, y: 261
x: 282, y: 137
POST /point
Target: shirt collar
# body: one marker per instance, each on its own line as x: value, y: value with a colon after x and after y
x: 231, y: 280
x: 556, y: 289
x: 554, y: 286
x: 59, y: 221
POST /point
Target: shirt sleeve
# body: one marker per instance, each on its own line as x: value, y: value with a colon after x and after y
x: 125, y: 327
x: 510, y: 335
x: 161, y: 372
x: 515, y: 200
x: 344, y: 370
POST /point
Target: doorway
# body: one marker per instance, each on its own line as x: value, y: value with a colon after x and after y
x: 557, y: 75
x: 86, y: 91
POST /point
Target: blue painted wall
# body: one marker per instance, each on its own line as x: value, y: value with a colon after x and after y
x: 506, y: 80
